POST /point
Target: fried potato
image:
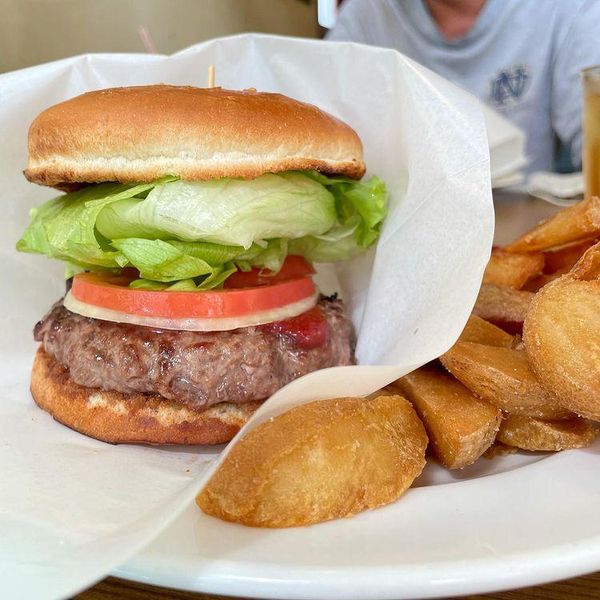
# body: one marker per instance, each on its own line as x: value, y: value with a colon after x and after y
x: 587, y: 267
x: 460, y: 426
x: 537, y: 283
x: 573, y: 224
x: 481, y: 332
x: 559, y: 262
x: 503, y: 306
x: 499, y: 449
x: 542, y: 435
x: 562, y: 341
x: 503, y: 377
x: 320, y: 461
x: 512, y: 270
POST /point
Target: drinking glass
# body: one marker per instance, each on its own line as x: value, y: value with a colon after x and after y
x: 591, y: 130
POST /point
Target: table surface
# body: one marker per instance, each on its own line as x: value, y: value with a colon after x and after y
x: 515, y: 213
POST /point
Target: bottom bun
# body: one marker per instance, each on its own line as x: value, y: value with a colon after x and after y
x: 130, y: 418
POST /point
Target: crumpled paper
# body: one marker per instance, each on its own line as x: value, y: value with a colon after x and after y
x: 73, y: 508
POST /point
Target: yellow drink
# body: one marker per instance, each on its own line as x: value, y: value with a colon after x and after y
x: 591, y: 131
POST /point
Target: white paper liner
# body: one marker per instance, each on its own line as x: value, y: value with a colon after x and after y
x: 72, y: 508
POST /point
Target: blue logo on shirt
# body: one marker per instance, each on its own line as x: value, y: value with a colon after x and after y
x: 509, y: 86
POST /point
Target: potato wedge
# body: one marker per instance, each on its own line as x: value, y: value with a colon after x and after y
x: 512, y: 270
x: 503, y: 377
x: 559, y: 262
x: 481, y: 332
x: 460, y: 426
x: 573, y: 224
x: 562, y: 341
x: 587, y: 267
x: 498, y: 449
x: 320, y: 461
x: 549, y: 436
x: 503, y: 306
x: 537, y: 283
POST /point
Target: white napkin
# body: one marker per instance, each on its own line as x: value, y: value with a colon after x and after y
x: 561, y: 189
x: 507, y: 149
x: 72, y: 508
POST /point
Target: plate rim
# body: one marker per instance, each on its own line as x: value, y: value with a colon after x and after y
x: 491, y: 575
x: 510, y: 569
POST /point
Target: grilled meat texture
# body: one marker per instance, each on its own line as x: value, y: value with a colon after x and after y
x: 198, y: 369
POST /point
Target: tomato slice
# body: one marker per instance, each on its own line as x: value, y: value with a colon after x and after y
x: 308, y: 330
x: 112, y: 292
x: 293, y: 268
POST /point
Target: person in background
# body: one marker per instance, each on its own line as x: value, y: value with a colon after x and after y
x: 522, y: 57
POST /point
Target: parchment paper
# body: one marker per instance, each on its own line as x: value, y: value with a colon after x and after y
x: 72, y: 508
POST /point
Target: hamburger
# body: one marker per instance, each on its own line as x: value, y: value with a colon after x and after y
x: 189, y: 227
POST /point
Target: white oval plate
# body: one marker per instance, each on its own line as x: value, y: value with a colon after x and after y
x: 510, y: 522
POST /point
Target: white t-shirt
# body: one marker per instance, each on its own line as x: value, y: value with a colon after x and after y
x: 522, y: 57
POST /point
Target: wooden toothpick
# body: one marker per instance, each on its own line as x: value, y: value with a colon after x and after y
x: 149, y: 45
x: 211, y: 76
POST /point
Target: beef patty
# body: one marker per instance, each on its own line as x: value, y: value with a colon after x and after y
x: 198, y: 369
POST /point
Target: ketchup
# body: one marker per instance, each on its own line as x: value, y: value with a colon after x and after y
x: 307, y: 331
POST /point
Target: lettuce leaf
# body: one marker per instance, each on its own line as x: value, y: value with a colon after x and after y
x: 224, y: 211
x: 193, y: 235
x: 65, y: 227
x: 361, y: 207
x: 215, y: 279
x: 160, y: 261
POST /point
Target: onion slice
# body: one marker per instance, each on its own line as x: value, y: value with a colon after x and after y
x: 280, y: 313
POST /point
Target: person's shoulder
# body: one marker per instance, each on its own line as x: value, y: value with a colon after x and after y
x: 562, y: 10
x: 582, y: 16
x: 558, y: 16
x: 567, y: 10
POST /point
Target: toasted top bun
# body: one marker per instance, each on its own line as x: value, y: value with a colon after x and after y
x: 138, y: 134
